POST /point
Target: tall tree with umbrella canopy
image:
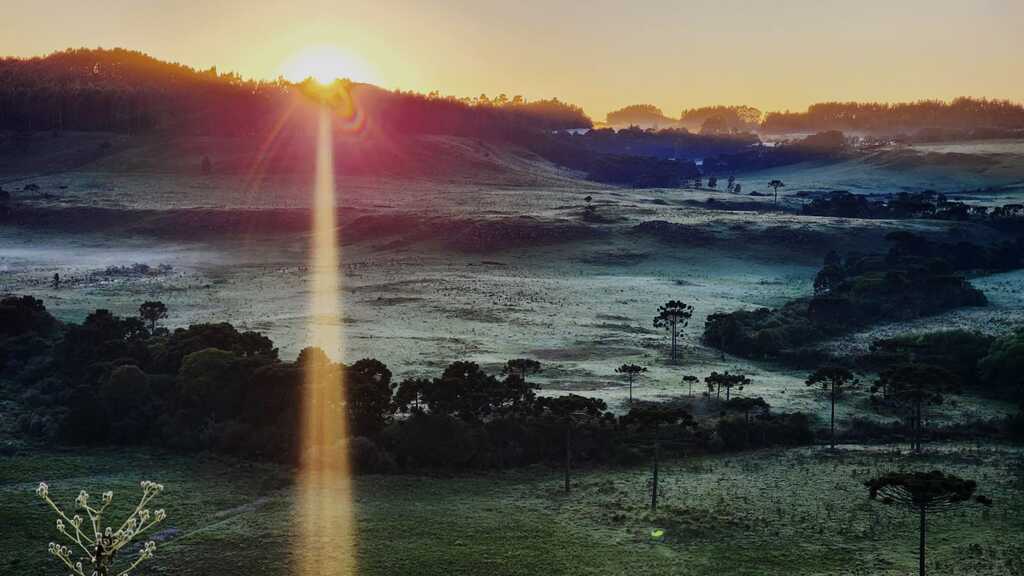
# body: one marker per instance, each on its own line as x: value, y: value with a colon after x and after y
x: 776, y: 184
x: 652, y: 418
x: 673, y: 316
x: 916, y: 386
x: 631, y: 371
x: 832, y: 379
x: 924, y: 493
x: 571, y: 408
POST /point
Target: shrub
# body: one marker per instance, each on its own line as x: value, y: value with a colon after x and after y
x: 367, y: 458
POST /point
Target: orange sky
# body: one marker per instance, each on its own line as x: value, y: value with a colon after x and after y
x: 774, y: 54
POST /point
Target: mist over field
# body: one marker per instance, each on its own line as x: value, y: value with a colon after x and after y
x: 358, y: 330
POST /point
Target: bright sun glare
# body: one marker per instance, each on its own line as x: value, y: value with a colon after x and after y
x: 324, y: 63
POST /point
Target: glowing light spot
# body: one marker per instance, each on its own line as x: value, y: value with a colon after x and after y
x: 326, y: 63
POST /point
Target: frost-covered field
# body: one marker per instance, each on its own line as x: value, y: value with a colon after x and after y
x: 581, y: 307
x: 418, y: 310
x: 984, y: 172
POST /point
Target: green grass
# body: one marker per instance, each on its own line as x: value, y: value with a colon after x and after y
x: 798, y: 511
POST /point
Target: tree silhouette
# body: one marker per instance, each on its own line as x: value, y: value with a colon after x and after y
x: 745, y: 406
x: 521, y: 367
x: 153, y: 312
x: 673, y: 316
x: 368, y: 396
x: 631, y: 371
x: 571, y: 409
x: 409, y: 394
x: 652, y: 417
x: 718, y: 380
x: 690, y: 380
x: 827, y: 279
x: 924, y: 493
x: 776, y: 184
x: 832, y: 379
x: 917, y: 386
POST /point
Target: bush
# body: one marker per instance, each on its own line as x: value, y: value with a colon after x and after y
x: 1002, y: 368
x: 367, y: 458
x: 773, y: 430
x: 434, y: 440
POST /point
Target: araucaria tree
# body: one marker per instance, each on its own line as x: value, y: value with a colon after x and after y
x: 924, y: 493
x: 673, y: 316
x: 631, y: 371
x: 689, y: 380
x: 571, y: 409
x: 652, y: 418
x: 916, y: 386
x: 776, y: 184
x: 100, y: 544
x: 833, y: 379
x: 718, y: 380
x: 153, y: 312
x: 522, y: 367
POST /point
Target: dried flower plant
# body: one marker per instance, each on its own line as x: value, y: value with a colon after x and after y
x: 99, y: 549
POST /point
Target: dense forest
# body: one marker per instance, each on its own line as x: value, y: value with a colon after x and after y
x: 874, y: 117
x: 916, y: 277
x: 645, y: 115
x: 721, y: 119
x: 127, y: 91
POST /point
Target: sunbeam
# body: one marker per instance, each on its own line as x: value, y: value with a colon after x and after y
x: 325, y: 503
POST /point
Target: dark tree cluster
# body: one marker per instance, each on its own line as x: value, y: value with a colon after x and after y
x: 816, y: 147
x: 641, y: 171
x: 929, y: 205
x: 915, y: 278
x: 992, y: 366
x: 722, y: 119
x: 128, y: 380
x: 669, y: 143
x: 961, y: 114
x: 638, y: 115
x: 128, y: 91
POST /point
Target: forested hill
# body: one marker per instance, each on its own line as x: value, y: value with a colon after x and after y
x: 128, y: 91
x: 960, y: 114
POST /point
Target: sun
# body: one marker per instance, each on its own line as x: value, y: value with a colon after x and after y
x: 325, y: 63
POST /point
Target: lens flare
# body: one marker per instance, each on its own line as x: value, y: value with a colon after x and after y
x: 327, y: 538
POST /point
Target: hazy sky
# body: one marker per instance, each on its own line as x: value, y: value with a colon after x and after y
x: 774, y: 54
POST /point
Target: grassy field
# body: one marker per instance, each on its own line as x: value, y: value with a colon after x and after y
x: 798, y: 511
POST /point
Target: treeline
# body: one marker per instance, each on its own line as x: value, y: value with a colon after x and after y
x: 128, y: 91
x: 959, y: 114
x: 126, y: 380
x: 706, y: 120
x: 645, y: 115
x: 666, y: 144
x: 915, y: 278
x: 903, y: 205
x: 826, y: 145
x: 988, y: 364
x: 722, y: 119
x: 926, y: 120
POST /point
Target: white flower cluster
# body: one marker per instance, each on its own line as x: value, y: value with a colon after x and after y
x: 98, y: 550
